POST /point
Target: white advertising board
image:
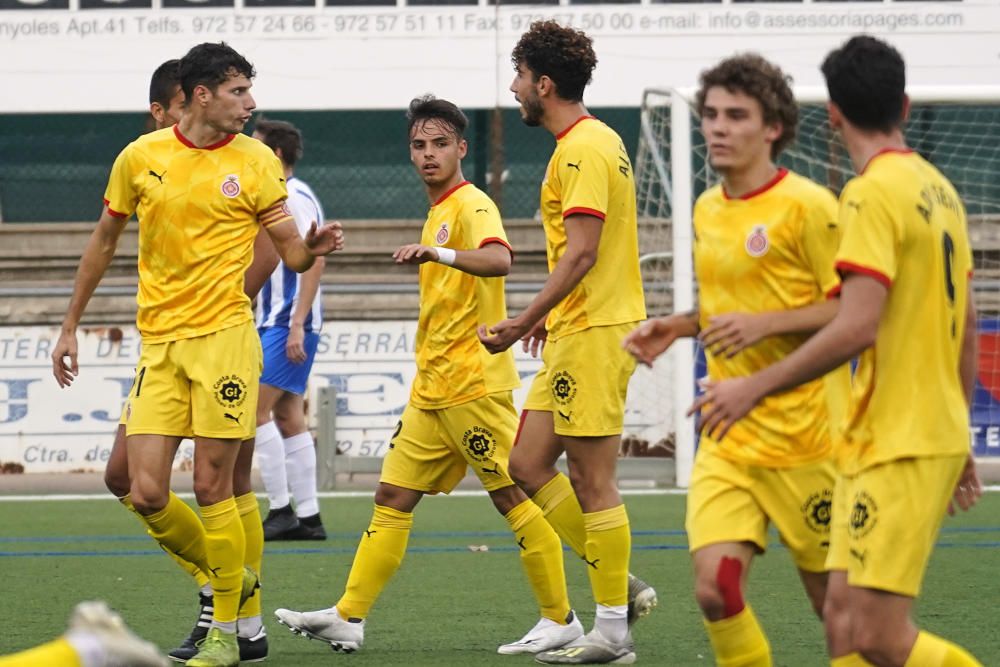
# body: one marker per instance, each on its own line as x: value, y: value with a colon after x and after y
x: 97, y: 55
x: 47, y: 429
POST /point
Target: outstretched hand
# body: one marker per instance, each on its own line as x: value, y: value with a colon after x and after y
x: 415, y: 253
x: 650, y: 339
x: 322, y: 240
x: 724, y: 403
x: 730, y: 333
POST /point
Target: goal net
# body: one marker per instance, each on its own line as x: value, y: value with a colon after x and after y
x: 958, y: 130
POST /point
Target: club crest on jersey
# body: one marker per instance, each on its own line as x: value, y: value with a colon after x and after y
x: 757, y: 243
x: 231, y: 186
x: 442, y: 234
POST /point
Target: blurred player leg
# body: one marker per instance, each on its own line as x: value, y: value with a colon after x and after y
x: 251, y: 635
x: 271, y: 461
x: 300, y: 466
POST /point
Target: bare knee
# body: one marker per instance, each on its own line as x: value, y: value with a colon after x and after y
x: 507, y: 498
x: 396, y: 497
x: 117, y: 481
x: 148, y: 498
x: 528, y: 473
x: 709, y: 599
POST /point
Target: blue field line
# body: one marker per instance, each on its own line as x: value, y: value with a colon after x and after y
x: 28, y: 539
x: 306, y: 551
x: 346, y: 535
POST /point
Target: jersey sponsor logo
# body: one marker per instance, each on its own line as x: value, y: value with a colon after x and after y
x: 575, y: 166
x: 232, y: 417
x: 158, y: 177
x: 231, y: 186
x: 864, y: 515
x: 480, y: 443
x: 230, y: 391
x: 816, y: 511
x: 757, y: 243
x: 563, y: 388
x: 442, y: 234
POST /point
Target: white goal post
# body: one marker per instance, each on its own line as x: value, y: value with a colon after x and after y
x: 956, y: 128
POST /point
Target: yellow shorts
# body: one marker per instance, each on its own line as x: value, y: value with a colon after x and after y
x: 203, y: 387
x: 431, y: 448
x: 734, y: 502
x: 896, y: 513
x: 583, y: 381
x: 839, y: 555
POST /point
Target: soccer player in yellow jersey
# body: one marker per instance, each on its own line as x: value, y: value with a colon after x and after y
x: 764, y: 244
x: 461, y: 412
x: 201, y: 191
x: 905, y: 308
x: 166, y: 103
x: 592, y: 298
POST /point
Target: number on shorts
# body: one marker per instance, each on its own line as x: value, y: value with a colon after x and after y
x: 138, y: 380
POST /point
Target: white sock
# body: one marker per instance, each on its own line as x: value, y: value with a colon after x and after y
x: 228, y: 627
x: 206, y: 590
x: 612, y: 622
x: 249, y: 627
x: 300, y: 466
x: 271, y: 461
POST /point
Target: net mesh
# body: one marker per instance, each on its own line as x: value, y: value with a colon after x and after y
x: 962, y: 140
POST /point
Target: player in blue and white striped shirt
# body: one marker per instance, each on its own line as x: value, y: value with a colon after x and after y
x: 289, y: 318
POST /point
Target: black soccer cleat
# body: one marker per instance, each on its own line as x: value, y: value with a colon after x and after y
x: 189, y: 647
x: 279, y: 521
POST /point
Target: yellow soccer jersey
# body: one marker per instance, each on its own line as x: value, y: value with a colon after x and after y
x: 197, y: 211
x: 590, y: 173
x: 453, y: 367
x: 771, y: 250
x: 905, y: 226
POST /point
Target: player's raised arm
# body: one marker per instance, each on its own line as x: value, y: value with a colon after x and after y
x: 296, y: 252
x: 583, y: 236
x: 654, y: 337
x: 93, y: 263
x: 491, y: 260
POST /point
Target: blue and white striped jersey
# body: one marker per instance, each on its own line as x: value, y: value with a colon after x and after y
x: 278, y: 298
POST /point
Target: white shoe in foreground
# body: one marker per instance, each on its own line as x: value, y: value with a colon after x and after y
x: 94, y: 624
x: 325, y: 625
x: 545, y: 636
x: 641, y: 599
x: 591, y: 649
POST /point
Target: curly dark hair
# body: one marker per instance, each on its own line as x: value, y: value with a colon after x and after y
x: 757, y: 77
x: 210, y: 64
x: 563, y: 54
x: 281, y: 134
x: 428, y: 107
x: 866, y: 79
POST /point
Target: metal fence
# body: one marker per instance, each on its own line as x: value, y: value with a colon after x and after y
x: 54, y: 167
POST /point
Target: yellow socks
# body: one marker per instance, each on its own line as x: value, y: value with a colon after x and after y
x: 177, y: 528
x: 253, y: 531
x: 189, y: 567
x: 224, y: 547
x: 541, y: 558
x: 738, y: 641
x: 850, y: 660
x: 58, y: 652
x: 933, y: 651
x: 562, y: 510
x: 378, y: 557
x: 609, y: 544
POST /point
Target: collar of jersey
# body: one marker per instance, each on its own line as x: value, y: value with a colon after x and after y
x: 211, y: 147
x: 782, y: 172
x: 575, y: 123
x: 885, y: 151
x: 449, y: 193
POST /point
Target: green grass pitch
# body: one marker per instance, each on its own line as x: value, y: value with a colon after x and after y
x: 447, y: 605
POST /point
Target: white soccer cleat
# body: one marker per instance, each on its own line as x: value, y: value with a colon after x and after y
x: 94, y: 624
x: 325, y: 625
x: 545, y: 636
x: 591, y: 649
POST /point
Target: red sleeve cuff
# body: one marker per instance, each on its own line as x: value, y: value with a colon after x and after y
x: 849, y: 267
x: 494, y: 239
x: 582, y: 210
x: 113, y: 213
x: 834, y: 292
